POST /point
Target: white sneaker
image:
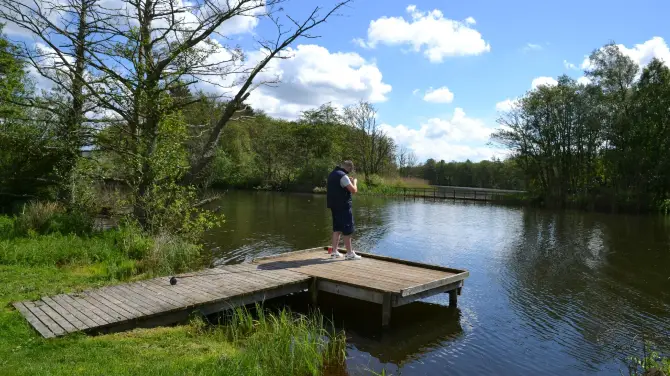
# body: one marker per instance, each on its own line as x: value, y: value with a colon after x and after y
x: 352, y: 256
x: 335, y: 254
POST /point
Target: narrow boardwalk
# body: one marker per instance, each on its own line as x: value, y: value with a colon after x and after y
x: 386, y: 281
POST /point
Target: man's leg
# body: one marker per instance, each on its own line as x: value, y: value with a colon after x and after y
x: 347, y: 244
x: 336, y: 241
x: 347, y: 232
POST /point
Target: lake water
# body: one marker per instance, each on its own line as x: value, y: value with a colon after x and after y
x: 551, y: 293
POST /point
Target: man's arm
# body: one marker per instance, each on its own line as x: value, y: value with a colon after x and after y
x: 353, y: 187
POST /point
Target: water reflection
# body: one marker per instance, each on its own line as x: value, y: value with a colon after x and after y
x: 549, y: 292
x: 589, y: 283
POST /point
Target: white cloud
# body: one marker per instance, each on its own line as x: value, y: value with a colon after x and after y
x: 642, y: 53
x: 415, y: 91
x: 532, y: 47
x: 439, y: 95
x: 539, y: 81
x: 569, y: 65
x: 311, y: 77
x: 457, y: 138
x: 506, y: 105
x: 438, y: 37
x: 583, y: 80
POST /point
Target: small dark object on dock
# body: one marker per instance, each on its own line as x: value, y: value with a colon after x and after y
x: 173, y: 281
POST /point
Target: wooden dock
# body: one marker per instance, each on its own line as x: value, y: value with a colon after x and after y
x: 458, y: 193
x: 387, y: 281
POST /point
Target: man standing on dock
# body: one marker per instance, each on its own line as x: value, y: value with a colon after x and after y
x: 339, y: 191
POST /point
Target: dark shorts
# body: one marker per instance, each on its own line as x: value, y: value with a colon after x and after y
x: 343, y: 221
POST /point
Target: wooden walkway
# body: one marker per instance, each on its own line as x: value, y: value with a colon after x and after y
x: 387, y: 281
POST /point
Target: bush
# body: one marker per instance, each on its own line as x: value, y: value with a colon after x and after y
x: 650, y: 361
x: 282, y: 343
x: 36, y: 216
x: 6, y: 227
x: 56, y: 250
x: 170, y: 254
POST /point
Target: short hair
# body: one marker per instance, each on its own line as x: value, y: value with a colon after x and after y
x: 349, y: 165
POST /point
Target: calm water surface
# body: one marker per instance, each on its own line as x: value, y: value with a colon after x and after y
x: 551, y: 293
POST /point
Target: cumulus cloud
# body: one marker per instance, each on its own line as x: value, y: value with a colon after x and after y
x: 539, y: 81
x: 439, y: 95
x: 584, y: 80
x: 311, y: 77
x: 506, y: 105
x: 532, y: 47
x: 430, y: 32
x: 457, y: 138
x: 569, y: 65
x: 642, y: 53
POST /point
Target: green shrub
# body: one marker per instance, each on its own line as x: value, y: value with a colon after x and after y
x: 170, y: 254
x: 282, y: 343
x: 650, y: 360
x: 132, y: 241
x: 73, y: 222
x: 36, y: 216
x: 6, y: 227
x: 56, y: 250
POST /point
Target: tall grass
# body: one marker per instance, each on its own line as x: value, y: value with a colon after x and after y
x: 61, y: 241
x: 282, y: 343
x: 650, y: 363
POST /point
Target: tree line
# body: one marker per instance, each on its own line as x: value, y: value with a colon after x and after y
x: 602, y: 145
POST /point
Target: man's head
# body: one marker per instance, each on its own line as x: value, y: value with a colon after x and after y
x: 348, y: 165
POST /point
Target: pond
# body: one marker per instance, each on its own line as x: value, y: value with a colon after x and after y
x: 549, y: 292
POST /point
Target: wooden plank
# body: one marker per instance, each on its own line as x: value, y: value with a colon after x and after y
x: 262, y: 258
x: 143, y: 293
x: 407, y: 262
x: 386, y: 309
x: 254, y: 297
x: 45, y: 319
x: 34, y: 321
x: 89, y: 307
x: 55, y: 316
x: 184, y: 295
x: 112, y: 307
x: 361, y: 277
x: 187, y: 287
x: 66, y: 314
x: 396, y: 275
x: 120, y: 305
x: 351, y: 291
x: 160, y: 293
x: 400, y: 300
x: 453, y: 298
x: 431, y: 285
x: 90, y: 319
x: 138, y: 309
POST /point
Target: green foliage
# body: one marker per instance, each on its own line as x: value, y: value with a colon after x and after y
x: 650, y: 360
x: 37, y: 217
x: 602, y: 145
x: 494, y: 174
x: 6, y: 227
x: 282, y: 343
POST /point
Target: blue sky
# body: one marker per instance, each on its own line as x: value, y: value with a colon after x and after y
x: 525, y: 39
x: 481, y: 55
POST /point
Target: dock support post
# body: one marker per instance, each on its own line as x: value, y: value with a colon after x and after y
x: 386, y: 309
x: 314, y: 292
x: 453, y: 297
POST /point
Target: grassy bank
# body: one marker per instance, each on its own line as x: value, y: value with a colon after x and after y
x: 39, y: 258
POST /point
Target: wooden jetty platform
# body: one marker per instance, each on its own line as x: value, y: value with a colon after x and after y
x: 387, y: 281
x: 457, y: 193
